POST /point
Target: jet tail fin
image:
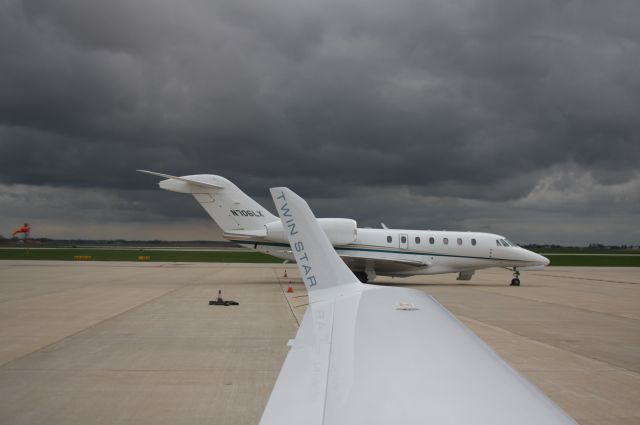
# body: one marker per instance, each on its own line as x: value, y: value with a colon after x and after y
x: 228, y: 206
x: 319, y: 264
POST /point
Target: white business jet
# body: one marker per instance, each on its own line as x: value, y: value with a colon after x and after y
x: 376, y: 355
x: 368, y: 252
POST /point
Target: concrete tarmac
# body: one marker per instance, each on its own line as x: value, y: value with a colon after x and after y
x: 137, y: 343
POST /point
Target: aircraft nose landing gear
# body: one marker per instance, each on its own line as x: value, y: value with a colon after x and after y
x: 516, y: 277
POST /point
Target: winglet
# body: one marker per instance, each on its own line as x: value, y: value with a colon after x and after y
x: 319, y: 264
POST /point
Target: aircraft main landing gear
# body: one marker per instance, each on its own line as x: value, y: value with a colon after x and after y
x: 516, y: 277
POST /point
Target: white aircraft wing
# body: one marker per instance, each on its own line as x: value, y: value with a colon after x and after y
x: 378, y: 355
x: 383, y: 264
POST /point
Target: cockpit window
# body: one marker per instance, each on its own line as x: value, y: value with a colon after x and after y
x: 504, y: 243
x: 498, y: 242
x: 510, y: 243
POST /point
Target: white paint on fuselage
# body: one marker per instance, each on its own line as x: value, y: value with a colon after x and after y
x: 247, y: 223
x: 438, y: 257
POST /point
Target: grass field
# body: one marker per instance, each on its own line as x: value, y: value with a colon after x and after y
x: 594, y: 260
x: 586, y: 250
x: 133, y: 254
x: 68, y: 254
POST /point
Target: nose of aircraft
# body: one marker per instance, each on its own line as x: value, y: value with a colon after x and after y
x: 534, y: 259
x: 543, y: 260
x: 538, y: 259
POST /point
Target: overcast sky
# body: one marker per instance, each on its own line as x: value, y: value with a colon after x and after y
x: 515, y: 117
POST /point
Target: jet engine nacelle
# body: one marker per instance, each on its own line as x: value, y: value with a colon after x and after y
x: 340, y: 231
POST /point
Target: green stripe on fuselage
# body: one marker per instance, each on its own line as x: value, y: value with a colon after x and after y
x: 388, y: 251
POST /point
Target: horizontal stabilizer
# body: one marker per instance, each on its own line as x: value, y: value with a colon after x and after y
x: 189, y: 180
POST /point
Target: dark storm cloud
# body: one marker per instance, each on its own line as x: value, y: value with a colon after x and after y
x: 447, y: 101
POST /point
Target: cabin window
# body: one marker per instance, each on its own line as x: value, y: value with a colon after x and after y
x: 445, y: 241
x: 473, y: 242
x: 459, y: 241
x: 389, y: 239
x: 403, y: 239
x: 417, y: 239
x: 432, y: 240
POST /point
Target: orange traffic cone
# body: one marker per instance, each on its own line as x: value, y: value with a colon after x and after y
x: 285, y: 273
x: 290, y: 288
